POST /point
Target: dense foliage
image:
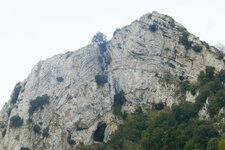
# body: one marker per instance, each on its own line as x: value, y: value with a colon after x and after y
x: 38, y: 103
x: 211, y: 86
x: 166, y: 130
x: 16, y: 121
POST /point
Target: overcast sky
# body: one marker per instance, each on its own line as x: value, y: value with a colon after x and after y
x: 33, y: 30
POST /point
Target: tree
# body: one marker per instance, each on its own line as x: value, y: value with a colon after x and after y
x: 37, y: 103
x: 37, y: 128
x: 99, y: 38
x: 16, y: 121
x: 212, y: 144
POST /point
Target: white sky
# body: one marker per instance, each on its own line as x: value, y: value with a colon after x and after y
x: 32, y: 30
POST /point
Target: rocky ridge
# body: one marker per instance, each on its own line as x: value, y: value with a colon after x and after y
x: 145, y: 60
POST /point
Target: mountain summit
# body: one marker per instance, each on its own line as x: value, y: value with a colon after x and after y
x: 67, y: 99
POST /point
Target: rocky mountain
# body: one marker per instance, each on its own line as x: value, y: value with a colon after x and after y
x: 67, y: 98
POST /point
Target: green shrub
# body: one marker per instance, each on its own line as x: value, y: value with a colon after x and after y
x: 187, y: 86
x: 60, y: 79
x: 181, y: 78
x: 119, y: 100
x: 197, y: 48
x: 15, y: 93
x: 216, y: 102
x: 37, y: 128
x: 99, y: 133
x: 206, y: 76
x: 184, y: 40
x: 101, y: 79
x: 167, y: 49
x: 160, y: 131
x: 99, y: 38
x: 4, y: 132
x: 16, y: 121
x: 45, y: 132
x: 212, y: 144
x: 38, y: 103
x: 184, y: 111
x: 206, y: 44
x: 24, y: 148
x: 220, y: 56
x: 158, y: 106
x: 167, y: 78
x: 153, y: 27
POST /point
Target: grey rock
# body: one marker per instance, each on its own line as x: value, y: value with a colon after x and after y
x: 144, y: 64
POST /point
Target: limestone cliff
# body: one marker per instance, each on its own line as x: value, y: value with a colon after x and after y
x: 144, y: 60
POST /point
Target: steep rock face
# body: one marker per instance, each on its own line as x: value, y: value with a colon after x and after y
x: 144, y: 60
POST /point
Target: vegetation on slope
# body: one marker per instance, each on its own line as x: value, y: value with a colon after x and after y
x: 178, y: 127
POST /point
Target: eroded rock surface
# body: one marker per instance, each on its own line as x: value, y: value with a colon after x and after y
x: 144, y: 60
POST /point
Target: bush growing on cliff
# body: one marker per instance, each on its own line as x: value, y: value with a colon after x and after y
x: 60, y: 79
x: 37, y: 128
x: 99, y: 38
x: 153, y: 27
x: 24, y: 148
x: 16, y: 121
x: 38, y: 103
x: 220, y: 56
x: 184, y: 40
x: 101, y: 79
x: 15, y: 93
x: 197, y: 48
